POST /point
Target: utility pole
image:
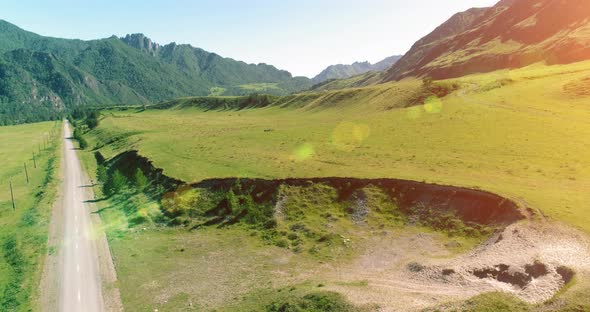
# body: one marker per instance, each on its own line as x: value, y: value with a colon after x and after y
x: 12, y: 196
x: 26, y: 173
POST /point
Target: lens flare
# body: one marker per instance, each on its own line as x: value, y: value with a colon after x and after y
x: 348, y: 136
x: 303, y: 152
x: 414, y: 112
x: 433, y: 105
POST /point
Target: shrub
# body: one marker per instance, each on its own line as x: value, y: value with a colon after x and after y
x: 102, y: 174
x: 415, y: 267
x: 179, y: 203
x: 12, y: 254
x: 83, y: 143
x: 281, y: 242
x: 81, y: 140
x: 323, y: 301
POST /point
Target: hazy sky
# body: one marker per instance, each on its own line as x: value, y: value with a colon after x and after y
x: 302, y: 36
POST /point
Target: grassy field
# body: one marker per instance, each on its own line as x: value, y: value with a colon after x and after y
x: 23, y: 232
x: 522, y: 134
x: 531, y: 147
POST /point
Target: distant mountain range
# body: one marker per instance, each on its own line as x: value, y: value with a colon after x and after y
x: 41, y: 76
x: 511, y: 34
x: 341, y: 71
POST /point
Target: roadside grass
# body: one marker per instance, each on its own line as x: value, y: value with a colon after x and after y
x: 24, y: 231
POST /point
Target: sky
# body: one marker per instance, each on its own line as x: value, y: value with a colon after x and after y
x: 301, y: 36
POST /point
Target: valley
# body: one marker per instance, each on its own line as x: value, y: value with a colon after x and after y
x: 140, y: 176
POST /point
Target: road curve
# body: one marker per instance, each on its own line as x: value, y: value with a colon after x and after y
x: 80, y: 286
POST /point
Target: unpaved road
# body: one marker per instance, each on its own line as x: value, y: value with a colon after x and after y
x: 80, y: 282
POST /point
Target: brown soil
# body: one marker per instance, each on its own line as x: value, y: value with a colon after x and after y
x: 532, y: 260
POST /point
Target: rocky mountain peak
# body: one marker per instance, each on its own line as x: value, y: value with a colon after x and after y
x: 141, y: 42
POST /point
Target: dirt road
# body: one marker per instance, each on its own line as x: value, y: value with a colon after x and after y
x: 80, y: 285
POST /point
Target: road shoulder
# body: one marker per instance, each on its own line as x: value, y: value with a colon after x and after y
x: 48, y: 299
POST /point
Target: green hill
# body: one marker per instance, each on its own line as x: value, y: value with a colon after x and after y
x: 40, y: 77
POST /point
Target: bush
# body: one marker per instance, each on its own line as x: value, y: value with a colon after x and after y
x: 81, y: 140
x: 323, y: 301
x: 102, y: 174
x: 12, y: 254
x: 241, y: 206
x: 179, y: 203
x: 83, y: 143
x: 415, y: 267
x: 492, y: 302
x: 281, y: 242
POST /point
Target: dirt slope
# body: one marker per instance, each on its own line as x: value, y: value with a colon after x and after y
x: 531, y: 260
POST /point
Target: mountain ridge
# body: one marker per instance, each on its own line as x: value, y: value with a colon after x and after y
x: 344, y: 71
x: 42, y: 76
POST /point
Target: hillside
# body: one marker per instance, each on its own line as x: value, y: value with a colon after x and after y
x: 42, y: 76
x: 511, y: 34
x: 342, y: 71
x: 362, y: 80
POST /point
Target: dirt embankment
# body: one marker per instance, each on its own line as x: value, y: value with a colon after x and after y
x: 470, y: 205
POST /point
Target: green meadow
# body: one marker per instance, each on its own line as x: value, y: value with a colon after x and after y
x: 522, y: 134
x: 23, y: 231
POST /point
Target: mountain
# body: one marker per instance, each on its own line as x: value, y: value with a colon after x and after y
x: 362, y: 80
x: 511, y: 34
x: 43, y: 76
x: 341, y: 71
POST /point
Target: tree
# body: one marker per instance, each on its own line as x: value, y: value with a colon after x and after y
x: 83, y: 143
x: 141, y: 180
x: 93, y: 120
x: 102, y: 174
x: 118, y: 183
